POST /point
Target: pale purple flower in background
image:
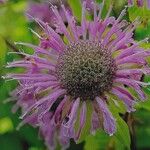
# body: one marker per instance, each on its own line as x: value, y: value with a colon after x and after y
x: 130, y: 2
x: 139, y: 3
x: 3, y: 1
x: 42, y: 10
x: 148, y: 4
x: 88, y: 64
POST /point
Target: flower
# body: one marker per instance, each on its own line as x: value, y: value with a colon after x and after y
x: 76, y: 66
x: 148, y: 4
x: 3, y: 1
x: 43, y: 11
x: 140, y: 3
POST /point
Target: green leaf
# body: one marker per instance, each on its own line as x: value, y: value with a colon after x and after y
x: 145, y: 105
x: 6, y: 125
x: 136, y: 11
x: 30, y: 134
x: 122, y: 133
x: 143, y: 134
x: 10, y: 142
x: 15, y: 27
x: 99, y: 141
x: 142, y: 129
x: 142, y: 30
x: 76, y: 8
x: 2, y: 52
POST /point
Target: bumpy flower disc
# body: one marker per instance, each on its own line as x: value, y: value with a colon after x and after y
x: 86, y: 69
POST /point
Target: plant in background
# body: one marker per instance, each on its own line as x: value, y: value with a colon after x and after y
x: 77, y: 72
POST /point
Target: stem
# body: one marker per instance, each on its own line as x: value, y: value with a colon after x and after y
x: 131, y: 124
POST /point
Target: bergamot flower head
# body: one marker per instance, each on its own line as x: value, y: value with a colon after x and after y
x: 77, y: 69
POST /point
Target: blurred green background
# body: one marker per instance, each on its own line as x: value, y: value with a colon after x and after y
x: 14, y: 26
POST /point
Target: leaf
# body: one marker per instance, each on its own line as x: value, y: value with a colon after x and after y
x: 2, y: 52
x: 143, y: 134
x: 76, y: 8
x: 6, y: 125
x: 99, y: 141
x: 142, y: 30
x: 145, y: 105
x: 30, y: 134
x: 15, y: 27
x: 122, y: 133
x: 118, y: 6
x: 10, y: 142
x: 142, y: 129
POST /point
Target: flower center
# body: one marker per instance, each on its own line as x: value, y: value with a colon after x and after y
x: 86, y: 69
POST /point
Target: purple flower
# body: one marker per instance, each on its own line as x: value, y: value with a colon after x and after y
x: 3, y: 1
x: 148, y: 4
x: 44, y: 12
x: 140, y: 3
x: 130, y: 2
x: 75, y: 66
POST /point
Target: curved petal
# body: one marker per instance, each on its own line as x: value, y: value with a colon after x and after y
x: 68, y: 126
x: 82, y: 119
x: 109, y: 122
